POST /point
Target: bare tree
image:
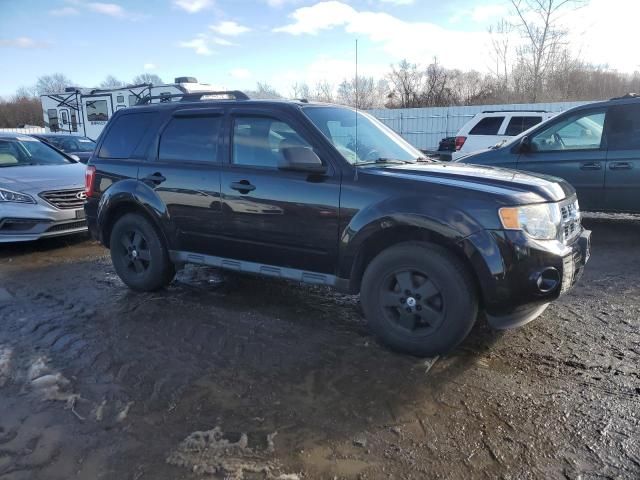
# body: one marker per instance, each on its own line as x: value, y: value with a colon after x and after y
x: 406, y: 83
x: 264, y: 91
x: 500, y: 42
x: 54, y: 83
x: 112, y: 82
x: 367, y: 94
x: 147, y: 78
x: 323, y: 92
x: 540, y: 26
x: 300, y: 90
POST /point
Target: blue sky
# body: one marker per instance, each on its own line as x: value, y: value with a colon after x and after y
x: 234, y: 44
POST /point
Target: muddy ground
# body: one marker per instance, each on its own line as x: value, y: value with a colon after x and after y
x: 284, y: 381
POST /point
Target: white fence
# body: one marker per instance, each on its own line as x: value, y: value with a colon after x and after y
x: 425, y: 127
x: 26, y: 130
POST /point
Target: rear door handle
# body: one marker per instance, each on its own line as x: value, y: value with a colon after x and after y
x: 620, y: 166
x: 243, y: 186
x: 156, y: 178
x: 591, y: 166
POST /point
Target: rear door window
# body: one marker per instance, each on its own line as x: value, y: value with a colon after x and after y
x: 190, y: 139
x: 487, y: 126
x: 518, y: 124
x: 125, y: 135
x: 623, y: 127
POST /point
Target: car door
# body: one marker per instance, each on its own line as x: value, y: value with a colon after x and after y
x: 573, y: 148
x: 97, y: 110
x: 274, y: 216
x: 622, y: 180
x: 184, y: 171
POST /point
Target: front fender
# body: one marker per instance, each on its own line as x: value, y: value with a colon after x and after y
x: 134, y: 195
x: 437, y: 217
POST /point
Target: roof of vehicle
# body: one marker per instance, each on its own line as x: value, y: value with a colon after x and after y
x: 56, y: 135
x: 15, y: 135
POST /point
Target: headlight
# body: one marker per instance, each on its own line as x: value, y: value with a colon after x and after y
x: 541, y: 222
x: 9, y: 196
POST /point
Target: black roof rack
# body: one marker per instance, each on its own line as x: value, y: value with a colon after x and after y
x: 523, y: 111
x: 628, y: 95
x: 196, y: 96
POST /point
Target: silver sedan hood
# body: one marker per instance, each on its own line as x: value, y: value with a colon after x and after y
x: 40, y: 178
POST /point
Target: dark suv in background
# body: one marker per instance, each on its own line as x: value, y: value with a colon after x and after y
x: 595, y: 147
x: 326, y: 195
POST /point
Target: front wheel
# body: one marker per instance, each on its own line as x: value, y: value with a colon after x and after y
x: 139, y: 255
x: 419, y: 298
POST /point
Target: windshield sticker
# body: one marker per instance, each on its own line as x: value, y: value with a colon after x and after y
x: 26, y: 139
x: 82, y: 140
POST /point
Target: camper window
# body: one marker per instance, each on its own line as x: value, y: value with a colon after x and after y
x: 65, y: 117
x: 53, y: 119
x: 133, y: 99
x: 120, y: 99
x: 97, y: 111
x: 74, y: 122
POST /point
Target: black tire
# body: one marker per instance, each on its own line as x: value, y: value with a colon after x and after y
x: 138, y: 254
x: 419, y: 298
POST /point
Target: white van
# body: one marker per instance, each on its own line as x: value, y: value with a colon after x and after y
x: 490, y: 127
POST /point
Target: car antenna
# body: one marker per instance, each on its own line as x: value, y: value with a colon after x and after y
x: 355, y: 177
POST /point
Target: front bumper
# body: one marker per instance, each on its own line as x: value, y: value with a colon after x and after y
x: 519, y: 276
x: 21, y: 222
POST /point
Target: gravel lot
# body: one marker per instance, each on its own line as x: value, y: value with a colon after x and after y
x: 240, y: 377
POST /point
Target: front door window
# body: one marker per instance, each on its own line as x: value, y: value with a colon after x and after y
x: 576, y: 132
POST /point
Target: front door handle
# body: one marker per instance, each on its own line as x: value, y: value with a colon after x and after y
x: 620, y: 166
x: 156, y: 178
x: 243, y: 186
x: 591, y: 166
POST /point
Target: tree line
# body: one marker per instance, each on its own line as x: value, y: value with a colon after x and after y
x: 530, y: 51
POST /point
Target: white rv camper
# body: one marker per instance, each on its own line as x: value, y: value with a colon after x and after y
x: 86, y: 111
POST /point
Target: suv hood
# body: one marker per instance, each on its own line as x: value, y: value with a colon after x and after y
x: 527, y: 187
x: 39, y: 178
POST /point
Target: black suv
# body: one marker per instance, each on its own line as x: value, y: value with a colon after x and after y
x: 326, y: 195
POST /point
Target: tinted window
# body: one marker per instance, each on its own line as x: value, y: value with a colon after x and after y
x: 258, y: 141
x: 517, y: 125
x: 487, y: 126
x: 193, y: 139
x: 97, y: 110
x: 581, y: 131
x: 623, y: 127
x: 125, y: 135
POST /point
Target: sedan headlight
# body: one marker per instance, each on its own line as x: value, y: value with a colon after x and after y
x: 15, y: 197
x: 541, y: 222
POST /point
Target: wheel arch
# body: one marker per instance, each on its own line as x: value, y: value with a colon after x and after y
x: 383, y: 239
x: 131, y: 199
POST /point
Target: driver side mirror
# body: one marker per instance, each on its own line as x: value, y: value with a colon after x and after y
x: 301, y: 159
x: 525, y: 145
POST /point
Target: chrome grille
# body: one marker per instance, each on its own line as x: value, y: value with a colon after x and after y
x: 571, y: 225
x: 65, y: 199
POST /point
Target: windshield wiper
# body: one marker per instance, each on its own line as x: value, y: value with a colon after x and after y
x: 384, y: 160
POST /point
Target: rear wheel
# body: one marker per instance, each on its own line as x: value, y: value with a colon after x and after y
x: 419, y: 298
x: 139, y: 255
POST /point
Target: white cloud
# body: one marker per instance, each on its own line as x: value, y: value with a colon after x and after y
x: 193, y: 6
x: 23, y: 42
x: 199, y: 45
x: 110, y: 9
x: 398, y: 2
x: 64, y: 12
x: 229, y: 28
x: 419, y: 42
x: 150, y: 66
x: 240, y: 73
x: 223, y: 42
x: 484, y: 13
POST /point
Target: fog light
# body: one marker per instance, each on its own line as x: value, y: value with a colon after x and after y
x: 547, y: 280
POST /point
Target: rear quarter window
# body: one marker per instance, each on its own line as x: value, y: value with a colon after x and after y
x: 487, y: 126
x: 518, y: 124
x: 124, y: 136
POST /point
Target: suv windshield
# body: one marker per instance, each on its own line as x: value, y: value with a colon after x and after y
x: 21, y: 151
x: 376, y: 143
